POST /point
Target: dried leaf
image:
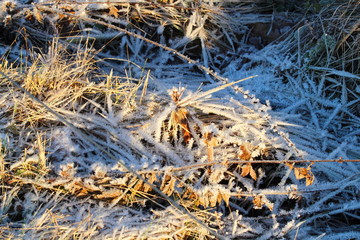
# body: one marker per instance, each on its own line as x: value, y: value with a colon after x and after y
x: 309, y: 179
x: 68, y: 171
x: 300, y: 173
x: 168, y: 185
x: 151, y: 177
x: 212, y: 196
x: 138, y: 186
x: 179, y: 118
x: 74, y: 186
x: 210, y: 142
x: 245, y: 152
x: 38, y: 16
x: 82, y: 193
x: 104, y: 180
x: 184, y: 124
x: 226, y: 198
x: 290, y: 165
x: 165, y: 179
x: 245, y: 170
x: 109, y: 194
x: 219, y: 198
x: 203, y: 201
x: 253, y: 173
x: 258, y: 202
x: 90, y: 185
x: 114, y: 11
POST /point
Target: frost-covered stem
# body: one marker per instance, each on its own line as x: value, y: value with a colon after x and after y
x: 175, y: 52
x: 272, y: 161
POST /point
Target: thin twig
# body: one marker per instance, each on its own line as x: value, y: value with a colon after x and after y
x: 272, y: 161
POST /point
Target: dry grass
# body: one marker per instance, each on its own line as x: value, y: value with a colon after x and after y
x: 128, y: 154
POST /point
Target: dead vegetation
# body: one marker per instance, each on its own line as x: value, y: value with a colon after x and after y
x: 117, y: 155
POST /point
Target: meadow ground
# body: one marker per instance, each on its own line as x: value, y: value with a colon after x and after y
x: 179, y: 119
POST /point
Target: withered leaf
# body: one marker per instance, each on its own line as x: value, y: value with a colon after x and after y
x: 168, y: 188
x: 226, y: 198
x: 306, y: 173
x: 38, y: 16
x: 212, y: 196
x: 114, y: 11
x: 109, y: 194
x: 309, y: 179
x: 219, y: 198
x: 258, y: 202
x: 245, y: 152
x: 82, y: 193
x: 179, y: 118
x: 300, y: 172
x: 253, y: 173
x: 138, y: 186
x: 210, y: 140
x: 245, y: 170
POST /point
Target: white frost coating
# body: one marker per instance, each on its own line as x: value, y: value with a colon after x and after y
x: 212, y: 128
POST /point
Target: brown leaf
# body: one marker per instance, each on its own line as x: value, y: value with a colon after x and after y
x: 212, y: 196
x: 203, y: 201
x: 179, y: 118
x: 165, y: 179
x: 104, y: 180
x: 290, y: 165
x: 258, y: 202
x: 219, y: 198
x: 253, y: 173
x: 168, y: 185
x: 245, y: 170
x: 151, y: 177
x: 38, y: 15
x: 300, y: 172
x: 114, y: 11
x: 210, y: 140
x: 245, y: 152
x: 82, y: 193
x: 109, y: 194
x: 138, y: 186
x: 309, y: 179
x: 226, y: 198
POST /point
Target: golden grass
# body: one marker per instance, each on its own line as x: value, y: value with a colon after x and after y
x: 73, y: 86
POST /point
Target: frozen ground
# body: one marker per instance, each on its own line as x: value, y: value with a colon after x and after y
x: 291, y: 110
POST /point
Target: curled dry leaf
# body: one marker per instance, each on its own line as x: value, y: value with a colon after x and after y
x: 253, y: 173
x: 245, y: 170
x: 179, y: 118
x: 301, y: 173
x: 110, y: 194
x: 114, y: 11
x: 309, y: 179
x: 257, y: 201
x: 248, y: 169
x: 213, y: 198
x: 168, y: 185
x: 38, y: 16
x: 138, y: 186
x: 260, y: 200
x: 151, y: 177
x: 245, y: 152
